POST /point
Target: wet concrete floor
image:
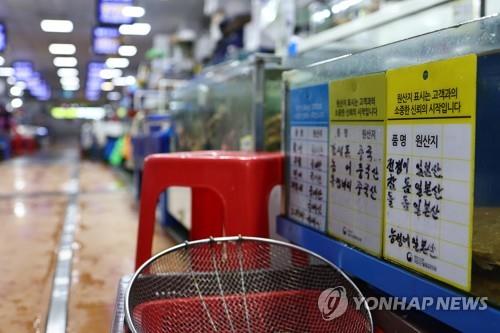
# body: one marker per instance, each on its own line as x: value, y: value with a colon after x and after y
x: 34, y: 194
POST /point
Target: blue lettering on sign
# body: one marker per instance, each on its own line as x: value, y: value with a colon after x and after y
x: 309, y: 105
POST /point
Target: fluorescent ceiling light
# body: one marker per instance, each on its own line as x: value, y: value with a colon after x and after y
x: 62, y: 26
x: 16, y: 103
x: 73, y: 87
x: 91, y: 113
x: 117, y: 62
x: 67, y: 72
x: 127, y: 50
x: 69, y: 81
x: 65, y: 61
x: 78, y: 112
x: 124, y: 81
x: 110, y: 73
x: 16, y: 91
x: 21, y: 85
x: 321, y: 16
x: 133, y: 11
x: 6, y: 71
x: 344, y: 5
x: 136, y: 29
x: 2, y: 61
x: 107, y: 86
x: 11, y: 80
x: 62, y: 49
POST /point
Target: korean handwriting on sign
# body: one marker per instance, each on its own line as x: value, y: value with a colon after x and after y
x: 318, y: 133
x: 299, y: 132
x: 308, y: 174
x: 416, y: 243
x: 428, y: 102
x: 359, y: 166
x: 395, y: 168
x: 423, y: 194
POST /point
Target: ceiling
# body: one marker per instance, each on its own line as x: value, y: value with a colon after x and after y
x: 26, y: 41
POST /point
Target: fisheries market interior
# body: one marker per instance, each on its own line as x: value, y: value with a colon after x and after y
x: 303, y: 166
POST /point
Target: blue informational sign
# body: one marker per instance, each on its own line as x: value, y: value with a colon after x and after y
x: 23, y: 70
x: 94, y: 81
x: 307, y: 152
x: 105, y: 40
x: 3, y: 37
x: 110, y: 12
x: 38, y: 87
x: 309, y: 106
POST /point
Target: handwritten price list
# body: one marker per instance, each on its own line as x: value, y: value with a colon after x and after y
x: 429, y: 168
x: 308, y: 161
x: 356, y: 161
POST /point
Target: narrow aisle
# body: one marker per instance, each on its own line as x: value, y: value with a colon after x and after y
x: 32, y: 209
x: 35, y: 176
x: 35, y: 194
x: 105, y: 243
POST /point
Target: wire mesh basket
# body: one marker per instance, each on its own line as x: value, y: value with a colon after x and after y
x: 243, y: 284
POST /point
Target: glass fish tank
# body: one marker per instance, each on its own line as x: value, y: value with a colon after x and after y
x: 231, y: 106
x: 460, y: 67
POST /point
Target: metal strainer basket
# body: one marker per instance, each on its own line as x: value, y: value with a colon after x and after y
x: 243, y: 284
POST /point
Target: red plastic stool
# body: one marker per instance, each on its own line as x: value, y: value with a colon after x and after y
x: 23, y: 145
x: 230, y: 192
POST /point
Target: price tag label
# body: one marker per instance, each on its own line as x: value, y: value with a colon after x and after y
x: 308, y: 146
x: 429, y: 166
x: 356, y: 163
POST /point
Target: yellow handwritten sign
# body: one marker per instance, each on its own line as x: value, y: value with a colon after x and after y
x: 429, y: 168
x: 356, y: 163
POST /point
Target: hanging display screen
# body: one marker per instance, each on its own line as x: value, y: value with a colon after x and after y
x: 105, y: 40
x: 3, y: 37
x: 110, y: 12
x: 94, y: 81
x: 23, y: 70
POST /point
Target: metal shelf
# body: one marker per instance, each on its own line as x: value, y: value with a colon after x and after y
x: 388, y: 277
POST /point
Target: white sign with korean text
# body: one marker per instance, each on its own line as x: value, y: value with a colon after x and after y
x: 428, y: 199
x: 356, y: 184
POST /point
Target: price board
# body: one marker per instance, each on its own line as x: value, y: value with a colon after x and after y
x: 356, y: 161
x: 307, y: 171
x: 431, y: 114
